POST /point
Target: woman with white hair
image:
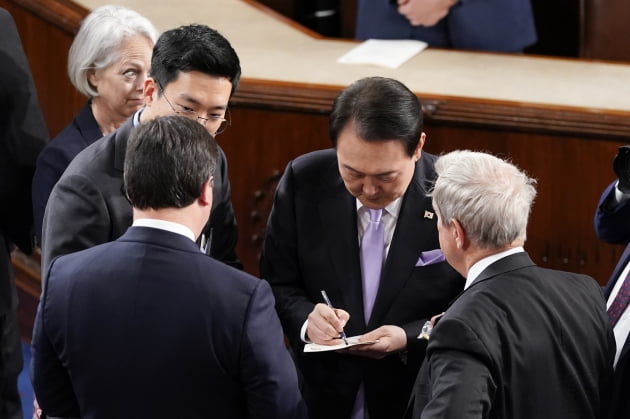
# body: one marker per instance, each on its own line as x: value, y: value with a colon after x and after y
x: 108, y: 62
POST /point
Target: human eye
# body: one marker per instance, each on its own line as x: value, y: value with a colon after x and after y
x: 387, y: 178
x: 130, y: 73
x: 186, y: 110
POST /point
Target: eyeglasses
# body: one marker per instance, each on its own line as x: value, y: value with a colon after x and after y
x: 189, y: 113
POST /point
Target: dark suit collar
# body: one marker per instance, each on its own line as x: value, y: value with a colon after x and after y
x: 157, y: 236
x: 121, y: 135
x: 501, y: 266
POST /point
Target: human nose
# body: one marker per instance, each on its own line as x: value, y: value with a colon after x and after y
x: 369, y: 186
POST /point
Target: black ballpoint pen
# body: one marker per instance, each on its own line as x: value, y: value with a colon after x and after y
x: 343, y: 334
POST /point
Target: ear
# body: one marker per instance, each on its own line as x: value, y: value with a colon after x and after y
x: 418, y: 151
x: 150, y: 89
x: 92, y: 78
x: 205, y: 197
x: 459, y: 235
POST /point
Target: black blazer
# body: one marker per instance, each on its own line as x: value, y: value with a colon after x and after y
x: 23, y: 134
x: 88, y: 205
x: 57, y: 155
x: 312, y: 244
x: 149, y: 327
x: 521, y: 342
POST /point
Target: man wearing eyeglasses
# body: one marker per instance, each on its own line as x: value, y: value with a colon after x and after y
x: 194, y: 72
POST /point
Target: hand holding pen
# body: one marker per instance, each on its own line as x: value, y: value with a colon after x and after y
x: 329, y: 304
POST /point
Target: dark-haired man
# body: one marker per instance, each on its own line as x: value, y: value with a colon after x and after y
x: 194, y: 71
x: 385, y: 275
x: 147, y: 325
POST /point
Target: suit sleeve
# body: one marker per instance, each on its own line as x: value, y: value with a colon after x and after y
x: 51, y: 382
x: 268, y: 373
x: 222, y: 227
x: 76, y: 218
x: 460, y: 382
x: 611, y: 221
x: 279, y: 263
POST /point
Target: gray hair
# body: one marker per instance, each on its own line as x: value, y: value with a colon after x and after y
x: 491, y: 198
x: 96, y: 44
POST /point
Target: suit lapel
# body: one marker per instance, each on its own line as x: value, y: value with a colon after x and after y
x: 414, y: 233
x: 120, y: 141
x: 339, y: 220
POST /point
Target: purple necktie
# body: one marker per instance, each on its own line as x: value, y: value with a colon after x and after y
x: 620, y: 302
x: 372, y: 250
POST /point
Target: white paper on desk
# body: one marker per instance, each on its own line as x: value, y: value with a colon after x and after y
x: 383, y: 52
x: 352, y: 341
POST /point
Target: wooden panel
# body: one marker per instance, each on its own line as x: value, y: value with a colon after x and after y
x: 605, y: 34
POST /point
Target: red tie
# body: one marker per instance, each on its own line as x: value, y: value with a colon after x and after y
x: 620, y: 302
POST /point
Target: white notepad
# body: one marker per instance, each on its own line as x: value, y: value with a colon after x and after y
x: 389, y: 53
x: 352, y: 341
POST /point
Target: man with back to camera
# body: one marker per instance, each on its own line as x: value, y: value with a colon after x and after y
x: 194, y: 71
x: 147, y: 325
x: 317, y: 239
x: 612, y: 225
x: 520, y: 341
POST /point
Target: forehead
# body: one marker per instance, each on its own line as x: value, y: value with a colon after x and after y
x: 195, y: 83
x: 369, y: 157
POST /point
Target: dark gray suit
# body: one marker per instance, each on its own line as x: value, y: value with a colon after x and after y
x: 522, y: 342
x: 88, y: 205
x: 23, y: 134
x: 312, y: 245
x: 149, y: 327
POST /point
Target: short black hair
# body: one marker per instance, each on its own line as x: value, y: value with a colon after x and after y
x: 167, y: 161
x: 194, y: 48
x: 381, y: 109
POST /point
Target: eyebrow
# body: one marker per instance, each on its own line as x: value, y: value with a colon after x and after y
x: 192, y: 100
x: 376, y: 174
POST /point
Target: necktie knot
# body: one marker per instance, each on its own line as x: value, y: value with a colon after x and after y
x: 375, y: 215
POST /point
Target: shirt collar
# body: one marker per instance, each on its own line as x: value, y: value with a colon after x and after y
x: 165, y: 225
x: 392, y: 209
x: 482, y: 264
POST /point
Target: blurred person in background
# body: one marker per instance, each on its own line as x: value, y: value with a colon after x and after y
x: 23, y: 134
x: 490, y: 25
x: 108, y: 62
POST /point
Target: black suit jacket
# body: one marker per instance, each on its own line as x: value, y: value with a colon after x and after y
x: 23, y: 134
x: 57, y: 155
x: 312, y: 245
x: 88, y: 205
x: 612, y: 225
x: 149, y: 327
x: 521, y: 342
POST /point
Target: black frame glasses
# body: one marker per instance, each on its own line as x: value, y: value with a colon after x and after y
x: 189, y: 113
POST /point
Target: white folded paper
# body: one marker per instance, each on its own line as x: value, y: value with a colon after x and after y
x: 389, y: 53
x: 352, y: 341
